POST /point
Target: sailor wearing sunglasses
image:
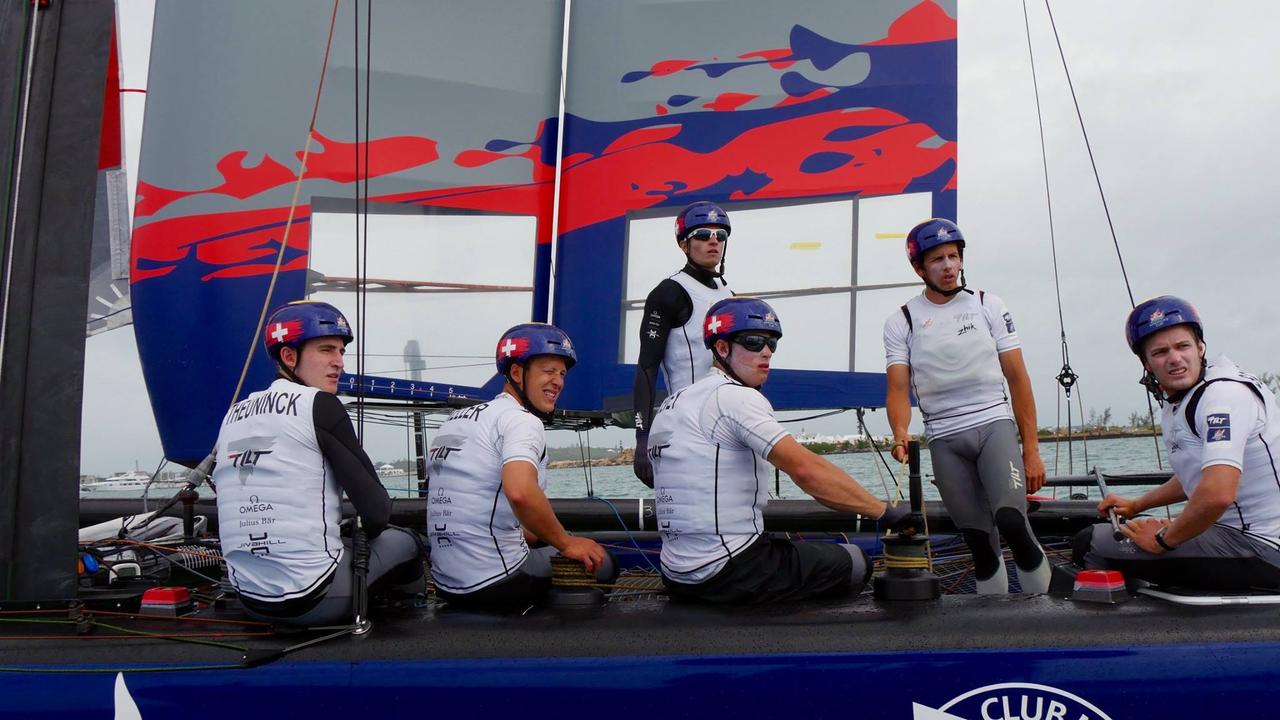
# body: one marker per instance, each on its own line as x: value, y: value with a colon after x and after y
x: 712, y: 445
x: 669, y: 334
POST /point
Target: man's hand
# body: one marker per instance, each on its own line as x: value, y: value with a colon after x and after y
x: 1034, y: 468
x: 1142, y: 531
x: 584, y: 550
x: 899, y: 519
x: 1125, y: 507
x: 641, y: 465
x: 899, y: 450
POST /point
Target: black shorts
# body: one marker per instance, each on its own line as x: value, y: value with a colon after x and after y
x: 774, y: 570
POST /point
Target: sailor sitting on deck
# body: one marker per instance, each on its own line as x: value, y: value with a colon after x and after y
x: 956, y: 349
x: 671, y: 332
x: 486, y: 477
x: 710, y: 445
x: 285, y: 455
x: 1221, y: 427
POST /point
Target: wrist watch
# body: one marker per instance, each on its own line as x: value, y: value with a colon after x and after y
x: 1161, y: 541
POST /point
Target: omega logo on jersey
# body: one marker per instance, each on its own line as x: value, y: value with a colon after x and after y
x: 255, y: 505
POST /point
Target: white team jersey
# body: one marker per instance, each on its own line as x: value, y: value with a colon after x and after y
x: 686, y: 359
x: 476, y: 539
x: 710, y: 445
x: 1236, y: 424
x: 279, y: 504
x: 953, y: 352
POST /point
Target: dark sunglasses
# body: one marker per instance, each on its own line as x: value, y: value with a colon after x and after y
x: 756, y: 343
x: 708, y: 233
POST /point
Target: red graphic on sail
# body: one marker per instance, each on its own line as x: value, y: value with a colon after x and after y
x: 332, y: 160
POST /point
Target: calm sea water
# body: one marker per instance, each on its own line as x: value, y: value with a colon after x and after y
x: 1124, y: 455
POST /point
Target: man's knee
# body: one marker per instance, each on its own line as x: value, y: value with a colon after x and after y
x: 1095, y: 545
x: 860, y: 570
x: 1080, y: 545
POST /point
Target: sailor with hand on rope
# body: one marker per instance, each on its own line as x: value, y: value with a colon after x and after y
x: 670, y: 333
x: 711, y: 446
x: 285, y: 456
x: 486, y: 481
x: 955, y: 348
x: 1221, y: 427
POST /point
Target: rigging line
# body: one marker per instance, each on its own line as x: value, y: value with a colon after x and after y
x: 883, y: 483
x: 1044, y: 161
x: 293, y: 207
x: 586, y: 466
x: 1066, y: 376
x: 623, y: 524
x: 871, y: 439
x: 364, y: 215
x: 561, y: 114
x: 355, y: 217
x: 1151, y: 417
x: 1096, y: 177
x: 828, y: 413
x: 361, y: 274
x: 1084, y: 435
x: 146, y: 490
x: 108, y: 316
x: 11, y: 240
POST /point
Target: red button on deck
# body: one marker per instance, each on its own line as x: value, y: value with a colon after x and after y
x: 1105, y: 586
x: 172, y: 601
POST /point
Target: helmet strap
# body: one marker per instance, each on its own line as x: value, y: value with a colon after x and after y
x: 520, y: 393
x: 727, y: 367
x: 1153, y: 386
x: 288, y: 372
x: 948, y: 293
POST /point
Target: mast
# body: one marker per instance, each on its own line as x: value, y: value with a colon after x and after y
x: 51, y: 98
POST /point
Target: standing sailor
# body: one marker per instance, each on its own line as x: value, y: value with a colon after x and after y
x: 486, y: 482
x: 955, y: 348
x: 1221, y: 427
x: 711, y: 445
x: 670, y: 334
x: 285, y: 455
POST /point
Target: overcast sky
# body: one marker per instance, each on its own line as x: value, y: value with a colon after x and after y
x: 1178, y: 99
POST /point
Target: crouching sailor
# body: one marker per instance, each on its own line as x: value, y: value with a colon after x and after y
x: 486, y: 477
x: 285, y: 455
x: 711, y: 445
x: 1221, y: 427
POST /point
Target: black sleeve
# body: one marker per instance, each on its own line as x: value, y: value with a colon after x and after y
x: 668, y: 306
x: 351, y: 465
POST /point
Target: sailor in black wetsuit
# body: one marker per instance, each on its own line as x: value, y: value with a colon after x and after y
x: 285, y: 455
x: 671, y: 332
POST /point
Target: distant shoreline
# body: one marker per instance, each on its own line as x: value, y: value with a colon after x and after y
x: 627, y: 455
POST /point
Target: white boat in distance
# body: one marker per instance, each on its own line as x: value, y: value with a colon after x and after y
x: 136, y: 480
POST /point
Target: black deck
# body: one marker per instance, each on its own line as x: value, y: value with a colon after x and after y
x: 658, y: 627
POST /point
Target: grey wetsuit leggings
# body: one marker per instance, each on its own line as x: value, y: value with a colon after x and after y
x: 393, y: 548
x: 979, y: 472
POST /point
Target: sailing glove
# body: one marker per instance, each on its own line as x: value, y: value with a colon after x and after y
x: 899, y: 518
